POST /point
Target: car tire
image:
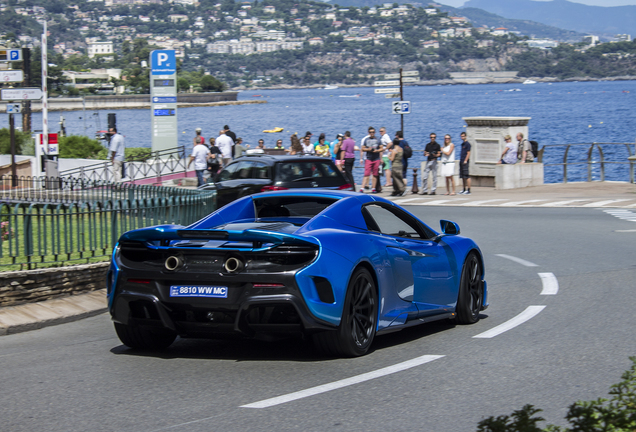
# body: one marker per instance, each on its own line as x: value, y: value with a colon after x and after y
x: 357, y: 327
x: 143, y: 337
x: 471, y: 291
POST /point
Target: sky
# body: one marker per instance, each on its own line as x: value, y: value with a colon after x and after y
x: 458, y: 3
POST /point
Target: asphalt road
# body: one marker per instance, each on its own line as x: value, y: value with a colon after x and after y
x: 78, y: 376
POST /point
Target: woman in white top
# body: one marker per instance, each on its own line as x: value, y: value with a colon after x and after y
x: 448, y: 164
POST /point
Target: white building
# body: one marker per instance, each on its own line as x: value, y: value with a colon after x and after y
x: 99, y: 48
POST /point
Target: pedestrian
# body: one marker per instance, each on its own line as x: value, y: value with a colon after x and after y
x: 337, y: 153
x: 225, y: 144
x: 464, y: 158
x: 372, y: 146
x: 386, y: 162
x: 349, y: 156
x: 279, y: 145
x: 229, y: 133
x: 405, y: 160
x: 261, y: 144
x: 200, y: 155
x: 239, y: 148
x: 321, y: 147
x: 432, y: 151
x: 117, y: 153
x: 296, y: 147
x: 524, y: 150
x: 396, y: 156
x: 509, y: 155
x: 308, y: 147
x: 198, y: 139
x: 214, y: 161
x: 448, y: 164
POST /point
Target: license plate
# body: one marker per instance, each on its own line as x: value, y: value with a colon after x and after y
x: 198, y: 291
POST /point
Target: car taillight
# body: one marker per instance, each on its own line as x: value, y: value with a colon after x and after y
x: 272, y: 188
x: 346, y: 186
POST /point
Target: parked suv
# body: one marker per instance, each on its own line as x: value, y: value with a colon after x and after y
x: 255, y: 173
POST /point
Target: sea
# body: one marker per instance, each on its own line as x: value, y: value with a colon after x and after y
x: 561, y: 113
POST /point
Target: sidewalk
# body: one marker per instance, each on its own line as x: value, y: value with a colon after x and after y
x: 595, y: 194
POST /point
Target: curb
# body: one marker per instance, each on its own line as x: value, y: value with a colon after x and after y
x: 33, y: 316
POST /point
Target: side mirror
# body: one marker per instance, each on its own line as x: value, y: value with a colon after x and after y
x: 448, y: 227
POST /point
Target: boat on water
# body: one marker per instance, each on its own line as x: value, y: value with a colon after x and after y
x: 529, y: 81
x: 330, y: 87
x: 355, y: 95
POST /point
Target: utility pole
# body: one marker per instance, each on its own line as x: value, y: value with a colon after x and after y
x: 14, y: 169
x: 401, y: 98
x: 26, y: 105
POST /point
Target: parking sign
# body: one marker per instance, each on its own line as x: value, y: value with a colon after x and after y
x: 401, y: 107
x: 163, y: 62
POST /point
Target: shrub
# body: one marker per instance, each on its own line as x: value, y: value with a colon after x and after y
x: 617, y: 414
x: 82, y: 147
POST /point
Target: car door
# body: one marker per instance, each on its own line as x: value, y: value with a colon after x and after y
x: 419, y: 261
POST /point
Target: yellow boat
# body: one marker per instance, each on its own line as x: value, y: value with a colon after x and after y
x: 277, y: 129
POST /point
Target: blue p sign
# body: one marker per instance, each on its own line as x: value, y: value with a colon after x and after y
x: 163, y: 62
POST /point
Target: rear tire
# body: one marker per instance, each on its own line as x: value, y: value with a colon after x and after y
x: 143, y: 337
x: 471, y: 291
x: 355, y: 334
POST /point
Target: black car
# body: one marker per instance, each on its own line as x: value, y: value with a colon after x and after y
x: 255, y: 173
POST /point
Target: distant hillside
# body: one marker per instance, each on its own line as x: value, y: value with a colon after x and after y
x: 479, y: 17
x: 606, y: 21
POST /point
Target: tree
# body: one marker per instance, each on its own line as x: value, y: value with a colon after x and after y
x: 209, y: 83
x: 81, y: 147
x: 22, y: 139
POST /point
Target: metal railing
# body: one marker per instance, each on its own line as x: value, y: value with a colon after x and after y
x: 588, y: 158
x: 84, y: 224
x: 159, y: 164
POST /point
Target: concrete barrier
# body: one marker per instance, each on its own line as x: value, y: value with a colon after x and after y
x: 518, y: 175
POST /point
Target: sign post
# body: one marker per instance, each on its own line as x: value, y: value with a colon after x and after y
x: 397, y: 107
x: 163, y: 99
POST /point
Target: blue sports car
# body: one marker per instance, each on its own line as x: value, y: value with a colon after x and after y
x: 339, y: 267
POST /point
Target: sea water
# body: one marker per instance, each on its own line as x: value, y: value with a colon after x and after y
x: 561, y: 113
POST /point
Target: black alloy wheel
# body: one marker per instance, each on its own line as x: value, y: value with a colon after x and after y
x: 359, y: 319
x: 471, y: 291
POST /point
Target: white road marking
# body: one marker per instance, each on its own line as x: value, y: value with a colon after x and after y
x: 550, y: 284
x: 627, y: 215
x: 602, y: 203
x: 518, y: 203
x: 518, y: 260
x: 478, y: 203
x: 405, y: 200
x: 625, y: 231
x: 344, y: 383
x: 529, y: 313
x: 438, y: 202
x: 561, y: 203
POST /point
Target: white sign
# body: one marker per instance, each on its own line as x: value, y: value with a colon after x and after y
x: 410, y: 79
x: 401, y: 107
x: 410, y: 73
x: 392, y: 76
x: 53, y: 149
x: 30, y: 93
x: 386, y: 83
x: 8, y: 76
x: 392, y: 95
x: 14, y: 108
x: 387, y: 90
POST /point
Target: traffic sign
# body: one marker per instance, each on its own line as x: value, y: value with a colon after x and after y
x: 7, y: 76
x: 21, y: 94
x: 411, y: 79
x: 14, y: 108
x: 392, y: 95
x: 401, y: 107
x: 410, y: 73
x: 386, y: 83
x: 387, y: 90
x: 163, y: 62
x: 392, y: 76
x: 7, y: 55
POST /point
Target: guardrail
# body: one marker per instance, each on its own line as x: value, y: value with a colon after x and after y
x: 588, y: 158
x: 159, y: 164
x: 81, y: 225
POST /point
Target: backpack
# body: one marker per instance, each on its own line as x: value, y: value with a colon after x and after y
x: 408, y: 151
x: 535, y: 148
x: 529, y: 153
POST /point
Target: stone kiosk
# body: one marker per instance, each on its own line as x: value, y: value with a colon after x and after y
x: 486, y: 134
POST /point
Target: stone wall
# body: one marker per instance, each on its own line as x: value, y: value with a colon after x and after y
x: 26, y: 286
x: 518, y: 175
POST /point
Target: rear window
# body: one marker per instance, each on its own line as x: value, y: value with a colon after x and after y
x: 298, y: 171
x: 291, y: 206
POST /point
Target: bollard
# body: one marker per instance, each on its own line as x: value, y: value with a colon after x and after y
x: 415, y: 189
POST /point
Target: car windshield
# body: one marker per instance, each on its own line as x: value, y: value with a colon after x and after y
x: 302, y: 170
x: 291, y: 206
